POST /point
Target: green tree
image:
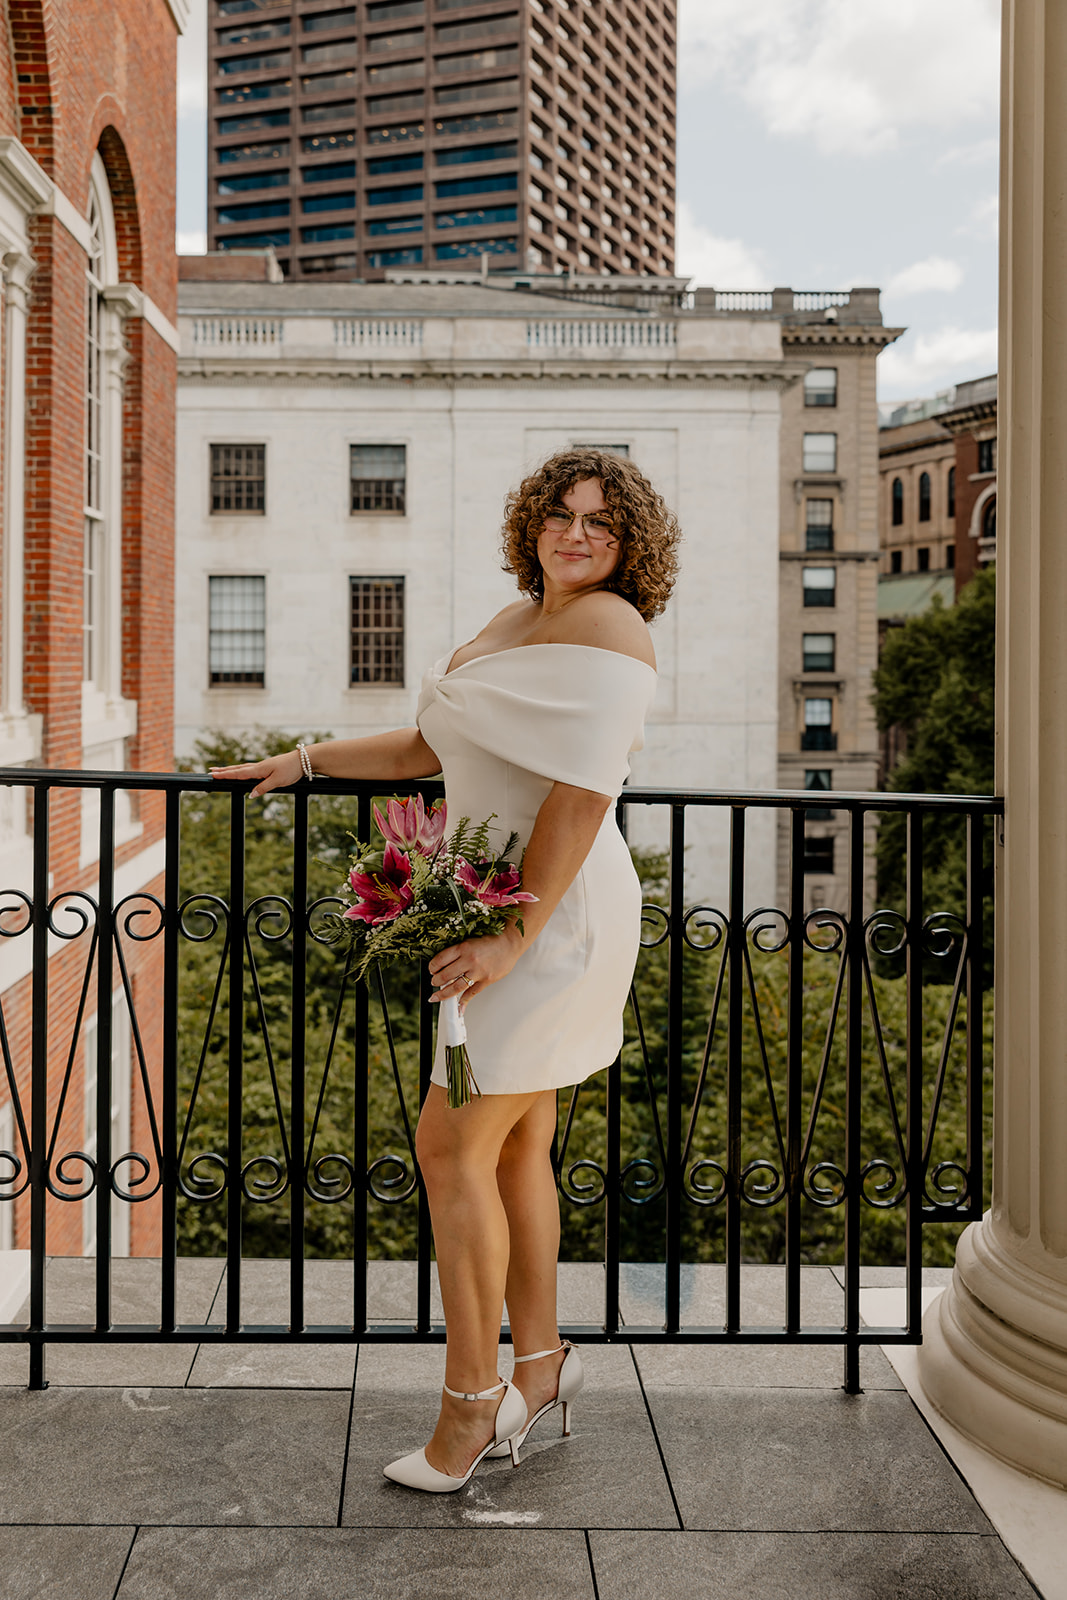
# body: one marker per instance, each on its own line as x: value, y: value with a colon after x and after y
x: 935, y: 681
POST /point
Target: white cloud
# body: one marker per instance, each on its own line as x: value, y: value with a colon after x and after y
x: 716, y: 262
x: 191, y: 243
x: 850, y: 74
x: 935, y: 273
x: 970, y: 155
x: 984, y: 220
x: 923, y: 363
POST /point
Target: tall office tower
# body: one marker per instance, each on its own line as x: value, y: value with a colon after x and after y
x: 431, y: 133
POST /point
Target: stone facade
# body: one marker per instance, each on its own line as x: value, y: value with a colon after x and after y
x: 87, y: 114
x: 474, y: 386
x: 918, y: 495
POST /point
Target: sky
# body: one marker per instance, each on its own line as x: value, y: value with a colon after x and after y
x: 822, y: 144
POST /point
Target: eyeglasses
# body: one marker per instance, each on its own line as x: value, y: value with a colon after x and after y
x: 595, y: 524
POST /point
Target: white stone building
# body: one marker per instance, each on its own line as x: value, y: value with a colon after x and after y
x: 344, y: 453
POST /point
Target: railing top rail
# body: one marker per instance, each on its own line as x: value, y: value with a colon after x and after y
x: 202, y: 782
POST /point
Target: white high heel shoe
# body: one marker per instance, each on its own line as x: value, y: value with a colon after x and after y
x: 415, y: 1472
x: 571, y: 1379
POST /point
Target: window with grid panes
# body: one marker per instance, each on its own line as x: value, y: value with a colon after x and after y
x: 377, y: 630
x: 820, y: 452
x: 238, y: 479
x: 819, y: 525
x: 237, y: 629
x: 379, y: 477
x: 819, y: 652
x: 816, y: 780
x: 819, y: 586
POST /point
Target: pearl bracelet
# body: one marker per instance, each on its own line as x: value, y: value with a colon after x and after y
x: 305, y: 762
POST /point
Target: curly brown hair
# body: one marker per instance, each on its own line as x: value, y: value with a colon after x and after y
x: 648, y: 530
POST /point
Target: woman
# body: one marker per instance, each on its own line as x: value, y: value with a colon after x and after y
x: 533, y: 719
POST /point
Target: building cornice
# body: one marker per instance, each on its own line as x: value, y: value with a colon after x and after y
x: 965, y: 418
x: 279, y: 373
x: 930, y: 441
x: 834, y: 333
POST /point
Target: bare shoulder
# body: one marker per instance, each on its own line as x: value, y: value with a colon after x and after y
x: 606, y: 621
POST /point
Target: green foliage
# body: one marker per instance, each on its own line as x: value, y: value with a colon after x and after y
x: 936, y: 682
x: 348, y: 1086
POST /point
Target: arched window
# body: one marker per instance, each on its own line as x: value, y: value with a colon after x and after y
x: 101, y: 480
x: 898, y: 502
x: 924, y: 497
x: 951, y: 492
x: 989, y: 521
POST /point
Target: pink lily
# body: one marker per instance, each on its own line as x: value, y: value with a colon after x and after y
x: 497, y: 888
x: 410, y: 826
x: 382, y: 895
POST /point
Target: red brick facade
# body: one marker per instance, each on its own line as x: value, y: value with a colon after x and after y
x: 77, y: 80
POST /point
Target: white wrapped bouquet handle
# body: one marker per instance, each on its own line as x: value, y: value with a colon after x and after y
x: 461, y: 1083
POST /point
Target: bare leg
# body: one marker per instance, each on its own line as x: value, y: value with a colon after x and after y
x: 458, y: 1154
x: 528, y: 1191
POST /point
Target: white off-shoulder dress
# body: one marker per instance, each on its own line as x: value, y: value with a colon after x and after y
x: 505, y: 727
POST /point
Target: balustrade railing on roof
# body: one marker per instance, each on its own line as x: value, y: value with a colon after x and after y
x: 743, y: 300
x: 795, y: 1081
x: 229, y: 331
x: 377, y: 333
x: 565, y: 334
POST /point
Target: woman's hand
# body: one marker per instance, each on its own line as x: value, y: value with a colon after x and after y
x: 277, y: 772
x: 464, y: 970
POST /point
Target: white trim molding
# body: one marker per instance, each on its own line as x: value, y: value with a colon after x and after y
x: 129, y: 301
x: 179, y: 10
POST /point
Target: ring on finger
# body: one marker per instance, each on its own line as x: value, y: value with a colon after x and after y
x: 467, y: 979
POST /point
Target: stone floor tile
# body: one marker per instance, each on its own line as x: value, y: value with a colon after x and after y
x: 356, y: 1564
x: 796, y: 1459
x: 70, y: 1296
x: 274, y: 1366
x: 608, y: 1474
x: 171, y: 1456
x: 759, y: 1366
x: 60, y: 1563
x: 103, y: 1365
x: 703, y: 1295
x: 70, y: 1289
x: 798, y: 1566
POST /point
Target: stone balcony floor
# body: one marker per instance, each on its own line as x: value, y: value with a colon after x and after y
x: 251, y: 1472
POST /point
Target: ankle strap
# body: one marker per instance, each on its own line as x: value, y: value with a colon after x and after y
x: 483, y: 1394
x: 539, y: 1353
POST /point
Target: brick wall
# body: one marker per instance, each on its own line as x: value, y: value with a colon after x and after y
x: 75, y: 79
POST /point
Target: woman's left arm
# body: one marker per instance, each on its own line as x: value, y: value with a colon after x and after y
x: 563, y: 834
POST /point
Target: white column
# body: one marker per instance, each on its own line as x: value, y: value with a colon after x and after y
x: 18, y: 733
x: 994, y: 1360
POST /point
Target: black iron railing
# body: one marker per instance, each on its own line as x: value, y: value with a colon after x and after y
x: 798, y: 1085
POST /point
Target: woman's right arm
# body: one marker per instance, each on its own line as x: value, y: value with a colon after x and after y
x: 400, y: 755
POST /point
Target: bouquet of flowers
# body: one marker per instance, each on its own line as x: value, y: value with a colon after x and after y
x: 422, y: 892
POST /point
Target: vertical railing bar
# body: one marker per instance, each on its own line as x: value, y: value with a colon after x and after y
x: 168, y: 1307
x: 734, y: 1055
x: 853, y: 1095
x: 424, y: 1235
x: 612, y: 1167
x: 235, y: 1077
x: 794, y: 1071
x: 298, y: 1069
x: 675, y: 1189
x: 612, y: 1195
x: 360, y: 1120
x: 976, y: 892
x: 105, y: 970
x: 39, y: 1086
x: 913, y: 1137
